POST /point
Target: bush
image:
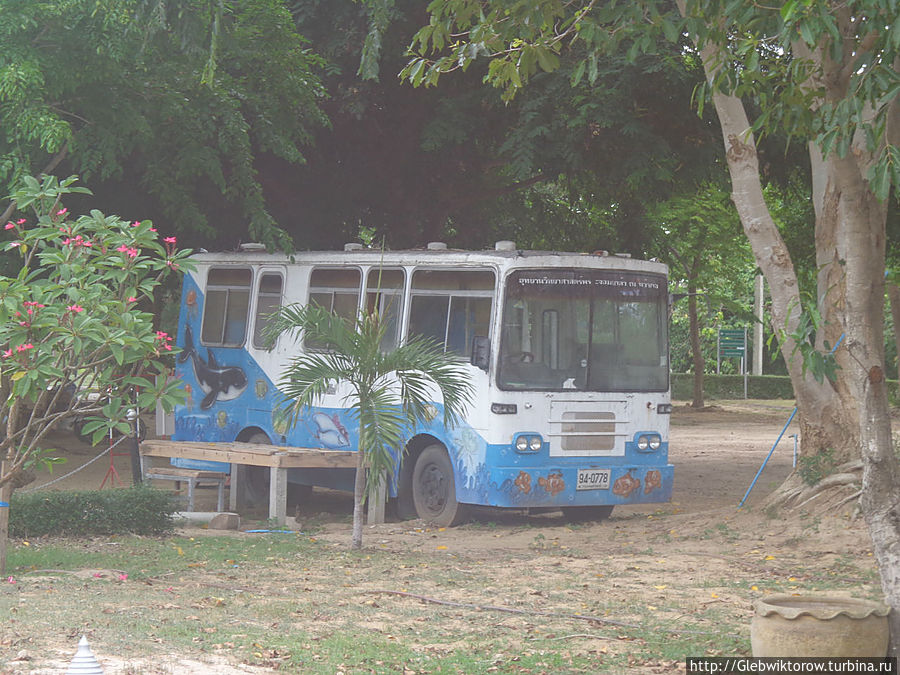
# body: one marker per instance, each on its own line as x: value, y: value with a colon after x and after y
x: 139, y: 510
x: 732, y: 386
x: 758, y: 386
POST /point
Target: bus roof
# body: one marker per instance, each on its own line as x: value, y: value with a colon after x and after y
x: 504, y: 255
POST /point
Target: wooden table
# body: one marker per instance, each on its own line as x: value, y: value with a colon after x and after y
x: 242, y: 455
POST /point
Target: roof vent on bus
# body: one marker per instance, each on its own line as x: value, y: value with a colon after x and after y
x: 623, y: 255
x: 252, y: 246
x: 436, y: 246
x: 353, y: 246
x: 505, y: 245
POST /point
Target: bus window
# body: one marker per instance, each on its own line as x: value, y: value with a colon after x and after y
x: 226, y: 307
x: 268, y: 299
x: 451, y: 306
x: 336, y: 290
x: 384, y: 294
x: 594, y: 330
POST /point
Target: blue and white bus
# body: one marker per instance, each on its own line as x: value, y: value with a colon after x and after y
x: 568, y: 353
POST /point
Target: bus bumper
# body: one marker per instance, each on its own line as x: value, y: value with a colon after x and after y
x: 517, y: 487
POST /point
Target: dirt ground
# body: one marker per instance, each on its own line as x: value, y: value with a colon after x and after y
x: 646, y: 554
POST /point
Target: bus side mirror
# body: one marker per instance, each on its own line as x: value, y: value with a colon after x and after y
x: 481, y: 352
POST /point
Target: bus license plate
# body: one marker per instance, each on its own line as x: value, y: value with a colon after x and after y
x: 593, y: 479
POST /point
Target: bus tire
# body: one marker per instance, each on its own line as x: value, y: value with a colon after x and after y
x: 256, y: 481
x: 404, y: 505
x: 582, y: 514
x: 434, y: 489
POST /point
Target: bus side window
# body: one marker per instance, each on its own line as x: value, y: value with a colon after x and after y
x: 268, y: 300
x: 384, y: 294
x: 227, y: 306
x: 337, y: 290
x: 451, y: 306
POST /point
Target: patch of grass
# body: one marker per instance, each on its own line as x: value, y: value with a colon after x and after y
x: 813, y: 468
x: 301, y: 605
x: 721, y: 531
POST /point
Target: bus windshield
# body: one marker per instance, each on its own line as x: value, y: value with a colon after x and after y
x: 590, y: 330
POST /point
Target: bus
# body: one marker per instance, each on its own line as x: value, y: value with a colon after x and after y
x: 568, y: 354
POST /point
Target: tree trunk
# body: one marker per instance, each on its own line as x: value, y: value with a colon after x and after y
x: 850, y: 255
x: 820, y: 412
x: 359, y: 492
x: 697, y: 354
x: 824, y: 421
x: 860, y: 237
x: 5, y: 496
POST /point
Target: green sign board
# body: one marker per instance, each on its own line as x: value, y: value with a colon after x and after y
x: 732, y: 342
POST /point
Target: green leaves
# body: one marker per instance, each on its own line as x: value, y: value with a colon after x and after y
x: 73, y: 340
x: 820, y: 364
x: 177, y: 97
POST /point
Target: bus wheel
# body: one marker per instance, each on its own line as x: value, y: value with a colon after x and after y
x: 434, y: 490
x: 256, y: 478
x: 581, y: 514
x: 404, y: 506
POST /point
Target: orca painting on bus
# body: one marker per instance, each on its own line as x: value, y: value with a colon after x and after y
x: 568, y: 354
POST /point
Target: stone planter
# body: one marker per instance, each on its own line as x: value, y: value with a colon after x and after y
x: 819, y: 625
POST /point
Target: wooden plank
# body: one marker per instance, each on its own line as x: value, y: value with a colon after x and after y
x: 252, y: 454
x: 278, y: 495
x: 310, y: 458
x: 158, y: 448
x: 182, y: 474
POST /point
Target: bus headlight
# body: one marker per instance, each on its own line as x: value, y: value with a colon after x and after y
x: 648, y: 442
x: 528, y: 443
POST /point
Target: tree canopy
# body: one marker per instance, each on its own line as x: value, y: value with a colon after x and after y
x: 161, y: 106
x: 460, y: 164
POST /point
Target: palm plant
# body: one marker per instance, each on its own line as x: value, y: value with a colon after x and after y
x: 391, y: 392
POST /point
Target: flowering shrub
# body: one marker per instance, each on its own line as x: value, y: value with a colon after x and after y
x: 70, y: 322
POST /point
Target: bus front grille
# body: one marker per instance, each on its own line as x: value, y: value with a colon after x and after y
x: 587, y: 429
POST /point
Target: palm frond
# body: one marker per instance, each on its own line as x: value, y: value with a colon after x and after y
x: 421, y: 362
x: 316, y: 324
x: 382, y: 426
x: 306, y: 379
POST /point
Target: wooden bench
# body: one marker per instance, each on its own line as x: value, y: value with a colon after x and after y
x: 193, y: 478
x: 277, y: 459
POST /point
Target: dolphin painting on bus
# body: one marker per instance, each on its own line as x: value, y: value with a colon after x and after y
x: 567, y: 352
